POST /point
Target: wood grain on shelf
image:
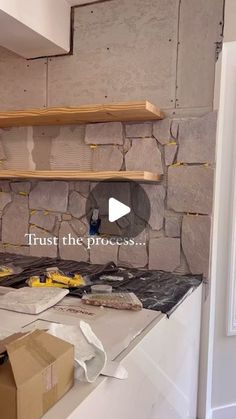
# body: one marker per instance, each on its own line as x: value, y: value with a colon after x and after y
x: 126, y: 111
x: 79, y: 175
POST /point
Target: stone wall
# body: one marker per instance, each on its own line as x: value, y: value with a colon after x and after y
x: 178, y: 233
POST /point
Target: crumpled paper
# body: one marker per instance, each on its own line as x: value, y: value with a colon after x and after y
x: 90, y: 356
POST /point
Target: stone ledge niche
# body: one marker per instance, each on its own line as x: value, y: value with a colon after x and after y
x: 176, y: 236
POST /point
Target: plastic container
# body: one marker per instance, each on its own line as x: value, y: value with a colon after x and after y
x: 101, y: 289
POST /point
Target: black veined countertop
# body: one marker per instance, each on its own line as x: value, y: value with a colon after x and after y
x: 158, y: 290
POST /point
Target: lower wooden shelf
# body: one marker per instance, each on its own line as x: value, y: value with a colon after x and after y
x: 79, y: 175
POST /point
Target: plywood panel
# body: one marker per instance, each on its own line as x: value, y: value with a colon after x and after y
x: 123, y: 51
x: 22, y: 82
x: 199, y: 30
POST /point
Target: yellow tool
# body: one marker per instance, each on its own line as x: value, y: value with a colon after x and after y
x: 37, y: 281
x: 53, y: 277
x: 5, y: 271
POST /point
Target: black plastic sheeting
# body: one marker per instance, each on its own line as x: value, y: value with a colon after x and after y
x: 158, y: 290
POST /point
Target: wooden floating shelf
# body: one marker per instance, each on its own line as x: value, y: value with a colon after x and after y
x: 127, y: 111
x: 76, y: 175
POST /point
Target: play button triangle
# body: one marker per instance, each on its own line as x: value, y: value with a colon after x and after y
x: 116, y: 210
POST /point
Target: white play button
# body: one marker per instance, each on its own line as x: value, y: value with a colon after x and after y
x: 116, y: 210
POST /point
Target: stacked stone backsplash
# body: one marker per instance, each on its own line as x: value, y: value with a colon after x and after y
x: 178, y: 234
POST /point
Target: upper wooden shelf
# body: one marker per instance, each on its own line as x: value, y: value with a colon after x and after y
x: 79, y: 175
x: 127, y: 111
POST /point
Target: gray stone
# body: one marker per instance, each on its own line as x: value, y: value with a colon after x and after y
x: 49, y: 131
x: 107, y: 158
x: 161, y: 131
x: 134, y: 256
x: 197, y: 138
x: 66, y: 217
x: 103, y: 254
x: 190, y: 189
x: 104, y: 133
x: 170, y: 152
x: 5, y: 198
x: 101, y: 195
x: 164, y: 254
x: 77, y: 204
x: 196, y: 232
x: 156, y: 197
x: 21, y: 187
x: 154, y: 234
x: 43, y: 219
x: 83, y: 187
x: 81, y: 228
x: 2, y: 152
x: 173, y: 226
x: 138, y: 130
x: 71, y: 252
x: 52, y: 196
x: 4, y: 186
x: 15, y: 221
x: 144, y: 155
x: 18, y: 250
x: 42, y: 250
x: 108, y: 228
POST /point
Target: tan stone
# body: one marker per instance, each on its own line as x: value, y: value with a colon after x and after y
x: 71, y: 252
x: 66, y: 217
x: 164, y: 254
x: 138, y: 130
x: 15, y: 221
x: 103, y: 254
x: 104, y: 133
x: 197, y: 138
x: 144, y: 155
x: 107, y: 157
x: 52, y: 196
x: 43, y: 219
x: 196, y: 232
x: 190, y: 189
x: 134, y: 256
x: 162, y: 131
x: 42, y: 250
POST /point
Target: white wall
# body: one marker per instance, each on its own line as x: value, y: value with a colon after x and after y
x: 223, y: 391
x: 34, y: 28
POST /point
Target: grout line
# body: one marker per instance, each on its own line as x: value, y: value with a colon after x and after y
x: 177, y: 54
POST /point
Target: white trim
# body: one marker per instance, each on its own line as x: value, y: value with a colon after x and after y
x: 223, y: 412
x: 228, y: 131
x: 222, y: 228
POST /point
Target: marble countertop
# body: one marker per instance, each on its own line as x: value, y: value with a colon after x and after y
x: 159, y: 291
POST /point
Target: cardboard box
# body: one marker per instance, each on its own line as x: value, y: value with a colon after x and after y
x: 38, y: 369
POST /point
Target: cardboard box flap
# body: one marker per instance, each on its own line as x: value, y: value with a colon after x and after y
x: 9, y: 339
x: 29, y: 355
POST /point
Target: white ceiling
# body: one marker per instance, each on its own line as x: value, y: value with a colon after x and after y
x: 79, y: 2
